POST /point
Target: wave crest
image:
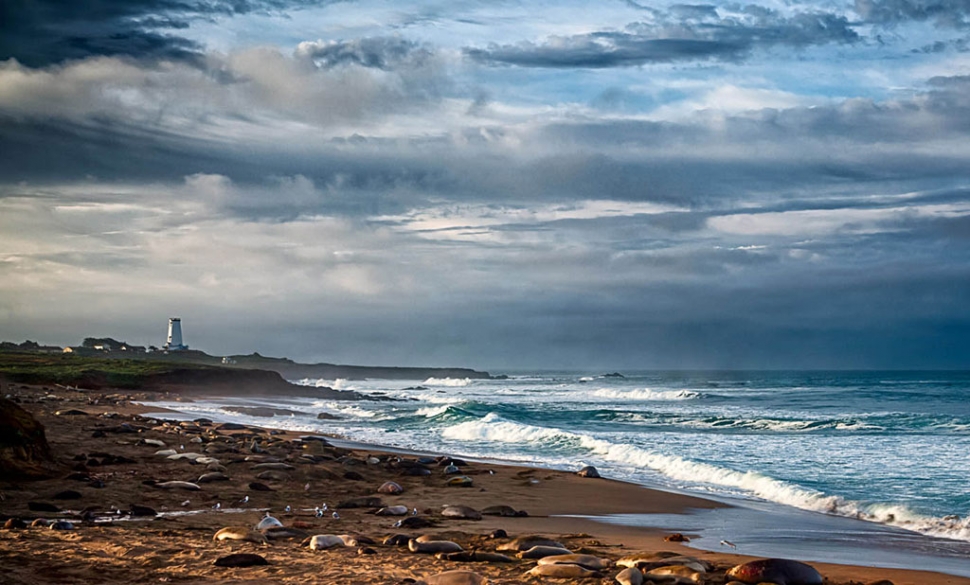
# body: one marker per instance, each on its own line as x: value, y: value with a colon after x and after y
x: 449, y: 382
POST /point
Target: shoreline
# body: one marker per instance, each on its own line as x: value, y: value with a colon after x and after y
x: 751, y: 514
x: 558, y: 502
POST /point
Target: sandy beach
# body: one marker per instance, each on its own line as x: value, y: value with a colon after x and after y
x: 105, y: 453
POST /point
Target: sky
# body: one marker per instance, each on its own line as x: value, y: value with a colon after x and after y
x: 501, y: 185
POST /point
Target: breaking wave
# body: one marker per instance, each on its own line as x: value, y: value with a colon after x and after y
x: 449, y: 382
x: 646, y: 394
x: 686, y: 474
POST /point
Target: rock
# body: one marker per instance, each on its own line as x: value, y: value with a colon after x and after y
x: 42, y: 507
x: 241, y: 560
x: 327, y: 416
x: 67, y: 495
x: 362, y: 502
x: 138, y: 510
x: 676, y: 537
x: 24, y: 451
x: 588, y: 471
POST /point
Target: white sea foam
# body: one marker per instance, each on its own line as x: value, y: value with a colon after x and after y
x: 645, y: 394
x: 687, y: 473
x: 449, y: 382
x: 430, y: 411
x: 494, y: 428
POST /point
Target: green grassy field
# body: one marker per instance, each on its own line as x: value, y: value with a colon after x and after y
x: 68, y: 369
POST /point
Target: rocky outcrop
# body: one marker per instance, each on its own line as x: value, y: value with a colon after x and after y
x: 24, y: 451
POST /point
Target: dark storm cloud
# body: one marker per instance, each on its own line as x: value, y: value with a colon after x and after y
x: 378, y: 52
x: 942, y: 13
x: 686, y: 33
x: 41, y: 32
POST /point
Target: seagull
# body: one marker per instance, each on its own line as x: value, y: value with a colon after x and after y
x: 335, y: 516
x: 186, y: 503
x: 218, y: 506
x: 287, y: 509
x: 306, y: 488
x: 728, y: 543
x: 245, y: 500
x: 324, y: 507
x: 319, y: 512
x: 414, y: 511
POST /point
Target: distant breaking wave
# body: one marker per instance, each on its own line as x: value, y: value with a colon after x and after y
x: 494, y: 429
x: 449, y: 382
x: 646, y: 394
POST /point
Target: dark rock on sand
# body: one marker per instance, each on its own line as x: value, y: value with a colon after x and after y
x: 42, y: 507
x: 137, y: 510
x: 24, y: 451
x: 241, y: 560
x: 67, y: 495
x: 362, y: 502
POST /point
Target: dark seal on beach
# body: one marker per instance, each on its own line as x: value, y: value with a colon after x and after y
x: 241, y: 560
x: 778, y: 571
x: 588, y: 471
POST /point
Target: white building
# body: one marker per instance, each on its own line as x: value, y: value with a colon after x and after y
x: 174, y: 342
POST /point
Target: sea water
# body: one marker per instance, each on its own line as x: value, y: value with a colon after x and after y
x: 891, y: 449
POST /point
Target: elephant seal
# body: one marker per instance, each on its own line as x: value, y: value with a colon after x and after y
x: 176, y: 485
x: 460, y: 481
x: 325, y: 541
x: 629, y: 576
x: 392, y: 511
x: 268, y: 522
x: 588, y: 471
x: 542, y: 551
x: 587, y: 561
x: 396, y: 540
x: 456, y: 578
x: 526, y: 542
x: 280, y: 532
x: 273, y: 466
x: 503, y: 510
x: 431, y: 547
x: 413, y: 522
x: 212, y: 476
x: 240, y: 533
x: 779, y: 571
x: 390, y: 487
x: 461, y: 512
x: 675, y: 574
x: 362, y: 502
x: 14, y: 524
x: 61, y: 525
x: 475, y: 556
x: 240, y: 560
x: 563, y: 572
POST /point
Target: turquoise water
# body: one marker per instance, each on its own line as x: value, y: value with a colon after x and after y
x: 889, y: 448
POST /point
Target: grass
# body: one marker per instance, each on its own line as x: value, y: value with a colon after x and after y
x: 68, y: 369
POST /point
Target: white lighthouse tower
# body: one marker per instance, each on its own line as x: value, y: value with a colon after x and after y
x: 174, y: 342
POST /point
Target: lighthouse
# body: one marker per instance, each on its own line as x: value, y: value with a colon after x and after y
x: 174, y: 342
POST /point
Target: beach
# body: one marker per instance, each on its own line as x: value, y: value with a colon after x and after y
x: 99, y: 439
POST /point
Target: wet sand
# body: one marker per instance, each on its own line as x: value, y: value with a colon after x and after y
x: 178, y: 547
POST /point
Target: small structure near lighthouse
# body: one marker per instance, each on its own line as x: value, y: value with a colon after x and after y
x: 174, y: 342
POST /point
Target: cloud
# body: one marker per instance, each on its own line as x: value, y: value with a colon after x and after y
x: 683, y: 34
x: 942, y: 13
x: 378, y: 52
x: 42, y: 32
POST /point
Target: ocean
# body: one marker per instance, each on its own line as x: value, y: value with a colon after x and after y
x: 851, y: 459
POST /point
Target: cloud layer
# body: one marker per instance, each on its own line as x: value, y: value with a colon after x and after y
x: 644, y: 186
